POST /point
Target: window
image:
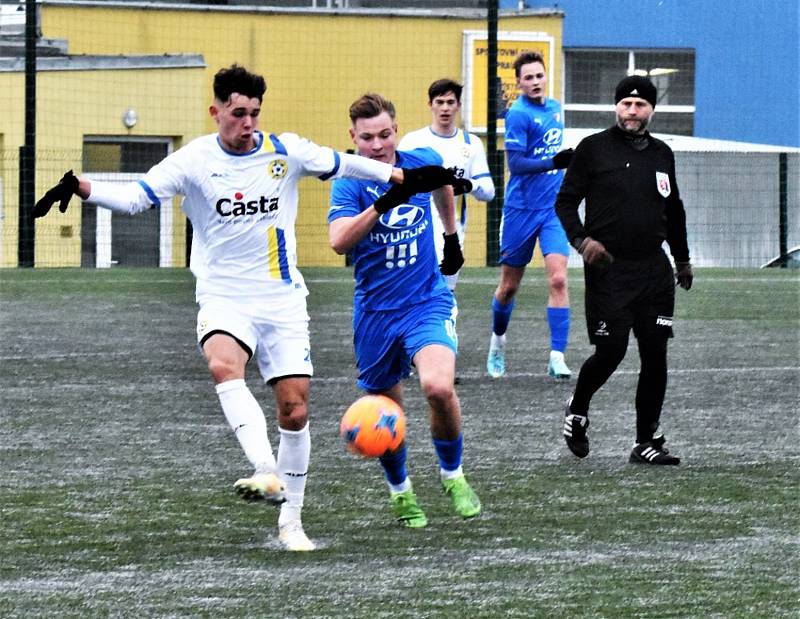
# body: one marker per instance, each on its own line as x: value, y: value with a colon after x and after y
x: 108, y: 154
x: 111, y: 239
x: 592, y: 74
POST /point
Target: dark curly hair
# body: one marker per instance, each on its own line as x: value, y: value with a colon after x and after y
x: 238, y: 79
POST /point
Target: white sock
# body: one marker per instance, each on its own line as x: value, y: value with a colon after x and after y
x: 451, y: 474
x: 498, y: 341
x: 294, y: 453
x: 401, y: 487
x: 246, y: 419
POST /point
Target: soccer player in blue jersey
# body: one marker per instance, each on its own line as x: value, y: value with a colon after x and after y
x: 533, y: 134
x: 403, y: 311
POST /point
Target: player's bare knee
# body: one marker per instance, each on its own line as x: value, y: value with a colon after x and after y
x: 223, y: 370
x: 506, y: 293
x: 558, y: 283
x: 292, y: 414
x: 438, y: 392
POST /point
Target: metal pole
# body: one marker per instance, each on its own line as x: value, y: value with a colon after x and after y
x: 783, y: 209
x: 494, y: 209
x: 27, y: 152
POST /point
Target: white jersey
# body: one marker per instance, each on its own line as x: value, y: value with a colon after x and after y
x: 461, y: 151
x: 243, y: 209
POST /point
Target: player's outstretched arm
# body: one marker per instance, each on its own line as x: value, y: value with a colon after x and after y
x: 427, y: 178
x: 61, y: 192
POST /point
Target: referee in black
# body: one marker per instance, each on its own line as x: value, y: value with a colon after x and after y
x: 627, y: 178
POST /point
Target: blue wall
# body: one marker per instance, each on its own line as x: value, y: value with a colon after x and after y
x: 747, y: 55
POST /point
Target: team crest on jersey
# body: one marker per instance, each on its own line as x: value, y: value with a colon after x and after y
x: 277, y: 169
x: 662, y: 182
x: 465, y: 152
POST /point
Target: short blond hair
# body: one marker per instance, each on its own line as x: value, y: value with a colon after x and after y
x: 371, y: 105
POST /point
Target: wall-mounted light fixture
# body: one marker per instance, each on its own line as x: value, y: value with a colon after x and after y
x: 130, y: 118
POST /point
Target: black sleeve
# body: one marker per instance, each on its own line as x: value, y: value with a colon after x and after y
x: 572, y: 192
x: 676, y: 220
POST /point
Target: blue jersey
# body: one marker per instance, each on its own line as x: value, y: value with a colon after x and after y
x: 536, y: 131
x: 395, y: 263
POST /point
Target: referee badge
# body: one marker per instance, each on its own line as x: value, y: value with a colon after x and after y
x: 662, y: 182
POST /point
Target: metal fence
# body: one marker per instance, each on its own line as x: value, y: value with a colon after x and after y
x: 99, y: 62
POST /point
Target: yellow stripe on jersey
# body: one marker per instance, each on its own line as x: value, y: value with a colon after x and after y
x: 267, y: 146
x: 276, y: 255
x: 272, y: 253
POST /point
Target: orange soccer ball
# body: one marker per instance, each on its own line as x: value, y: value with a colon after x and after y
x: 373, y: 425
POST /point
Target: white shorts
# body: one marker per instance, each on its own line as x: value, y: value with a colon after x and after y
x: 281, y: 347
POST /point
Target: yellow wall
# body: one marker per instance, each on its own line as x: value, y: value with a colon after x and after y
x: 72, y: 104
x: 315, y: 66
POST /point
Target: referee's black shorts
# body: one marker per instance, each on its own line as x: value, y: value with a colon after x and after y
x: 636, y: 294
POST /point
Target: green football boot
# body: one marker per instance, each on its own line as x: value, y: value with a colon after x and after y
x: 465, y: 501
x: 407, y: 510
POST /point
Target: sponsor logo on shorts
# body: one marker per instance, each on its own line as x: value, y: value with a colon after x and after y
x: 664, y: 321
x: 602, y: 329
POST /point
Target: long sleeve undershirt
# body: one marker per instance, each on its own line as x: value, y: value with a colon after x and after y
x: 520, y: 164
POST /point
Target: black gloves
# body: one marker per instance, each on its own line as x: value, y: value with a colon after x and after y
x: 452, y: 257
x: 420, y: 180
x: 427, y: 178
x: 594, y: 253
x: 684, y: 275
x: 561, y: 159
x: 62, y: 192
x: 461, y: 185
x: 396, y: 195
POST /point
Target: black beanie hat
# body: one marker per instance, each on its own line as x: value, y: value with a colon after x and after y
x: 636, y: 86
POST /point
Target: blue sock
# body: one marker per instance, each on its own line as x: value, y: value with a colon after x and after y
x: 449, y: 452
x: 558, y: 319
x: 501, y: 316
x: 394, y: 466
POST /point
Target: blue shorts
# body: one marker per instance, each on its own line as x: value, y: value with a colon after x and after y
x: 387, y: 340
x: 519, y: 230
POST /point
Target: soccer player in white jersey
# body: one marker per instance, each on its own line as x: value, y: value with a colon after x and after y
x: 240, y: 189
x: 461, y: 152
